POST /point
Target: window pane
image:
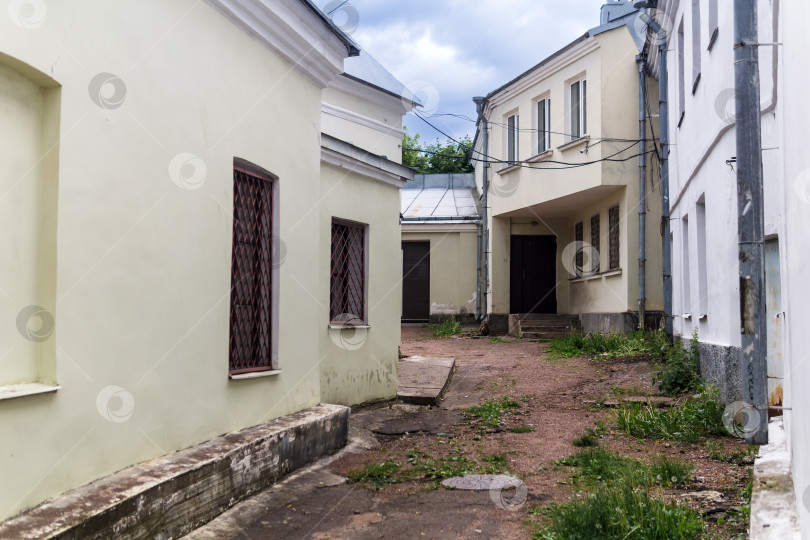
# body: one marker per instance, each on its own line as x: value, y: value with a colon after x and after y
x: 584, y: 110
x: 595, y: 241
x: 510, y: 151
x: 578, y: 237
x: 347, y: 291
x: 575, y: 108
x: 541, y: 127
x: 613, y: 237
x: 251, y: 272
x: 696, y: 48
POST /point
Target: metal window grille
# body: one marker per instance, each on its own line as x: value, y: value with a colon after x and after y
x: 595, y: 244
x: 347, y: 287
x: 251, y: 273
x: 578, y: 238
x: 613, y: 237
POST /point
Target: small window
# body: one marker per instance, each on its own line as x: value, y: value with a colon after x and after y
x: 613, y: 237
x: 595, y: 244
x: 703, y: 274
x: 251, y: 274
x: 686, y: 285
x: 696, y: 48
x: 578, y: 238
x: 512, y: 138
x: 713, y: 23
x: 543, y: 125
x: 577, y: 114
x: 347, y: 284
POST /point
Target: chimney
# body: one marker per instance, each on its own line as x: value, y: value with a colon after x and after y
x: 613, y: 9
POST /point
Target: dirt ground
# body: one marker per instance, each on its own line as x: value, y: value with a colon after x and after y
x: 559, y: 400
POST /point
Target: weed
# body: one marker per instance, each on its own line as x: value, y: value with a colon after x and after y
x: 600, y: 465
x: 621, y: 513
x: 740, y: 457
x: 377, y: 475
x: 680, y: 373
x: 696, y: 418
x: 490, y: 413
x: 499, y: 460
x: 497, y: 340
x: 629, y: 391
x: 670, y: 473
x: 608, y: 346
x: 521, y: 429
x: 450, y: 327
x: 585, y: 440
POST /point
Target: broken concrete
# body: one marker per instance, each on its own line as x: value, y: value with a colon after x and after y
x: 170, y: 496
x: 423, y: 380
x: 482, y: 482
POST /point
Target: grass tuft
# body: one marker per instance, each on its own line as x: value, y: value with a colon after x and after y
x: 491, y: 413
x: 521, y: 429
x: 585, y: 440
x: 450, y: 327
x: 621, y: 513
x: 696, y: 419
x: 608, y: 346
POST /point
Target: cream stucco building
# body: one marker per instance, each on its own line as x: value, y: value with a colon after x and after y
x: 441, y: 242
x: 194, y: 204
x: 562, y: 173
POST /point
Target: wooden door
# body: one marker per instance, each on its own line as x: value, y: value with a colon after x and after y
x: 415, y: 281
x: 533, y: 274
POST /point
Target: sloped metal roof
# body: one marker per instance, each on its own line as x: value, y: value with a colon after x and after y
x: 439, y: 203
x: 366, y: 69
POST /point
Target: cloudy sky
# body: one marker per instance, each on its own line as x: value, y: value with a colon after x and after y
x: 451, y: 50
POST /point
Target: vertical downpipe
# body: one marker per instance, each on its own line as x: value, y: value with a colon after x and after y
x: 663, y: 114
x: 480, y: 103
x: 642, y: 190
x: 750, y: 221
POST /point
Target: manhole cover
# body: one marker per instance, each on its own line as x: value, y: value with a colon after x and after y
x: 483, y: 482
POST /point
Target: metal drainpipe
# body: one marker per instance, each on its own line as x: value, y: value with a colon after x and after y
x: 663, y: 114
x: 478, y: 311
x: 480, y: 102
x: 642, y: 190
x: 750, y: 220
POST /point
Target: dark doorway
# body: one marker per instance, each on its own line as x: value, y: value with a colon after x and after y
x: 533, y: 274
x: 415, y: 281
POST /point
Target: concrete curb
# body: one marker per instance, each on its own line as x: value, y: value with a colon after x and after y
x: 172, y: 495
x: 773, y: 503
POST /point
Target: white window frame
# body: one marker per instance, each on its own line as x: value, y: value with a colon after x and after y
x: 543, y: 125
x: 579, y: 130
x: 512, y: 138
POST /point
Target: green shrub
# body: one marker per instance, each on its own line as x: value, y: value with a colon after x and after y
x: 680, y: 372
x: 601, y: 465
x: 450, y: 327
x: 377, y: 474
x: 697, y: 418
x: 585, y: 440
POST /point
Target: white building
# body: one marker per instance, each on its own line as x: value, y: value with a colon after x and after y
x: 703, y: 204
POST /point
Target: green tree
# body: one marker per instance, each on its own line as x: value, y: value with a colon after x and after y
x: 436, y: 158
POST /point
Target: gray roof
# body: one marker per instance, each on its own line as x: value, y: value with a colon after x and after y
x: 351, y: 46
x: 622, y: 14
x: 440, y: 196
x: 366, y: 69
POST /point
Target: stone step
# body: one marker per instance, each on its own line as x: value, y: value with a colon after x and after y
x: 544, y: 335
x: 550, y: 323
x: 546, y: 317
x: 551, y: 329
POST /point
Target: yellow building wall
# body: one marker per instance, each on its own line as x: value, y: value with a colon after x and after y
x: 524, y: 195
x: 453, y: 270
x: 360, y: 365
x: 143, y: 266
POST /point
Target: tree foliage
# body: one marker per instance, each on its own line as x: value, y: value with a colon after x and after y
x: 436, y: 158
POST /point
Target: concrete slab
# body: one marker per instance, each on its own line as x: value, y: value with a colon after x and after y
x: 423, y: 380
x: 171, y: 495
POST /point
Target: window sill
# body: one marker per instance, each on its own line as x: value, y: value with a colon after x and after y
x: 541, y: 156
x: 591, y: 277
x: 508, y: 169
x: 713, y: 38
x: 687, y: 316
x: 257, y: 375
x: 703, y: 317
x: 680, y: 121
x: 573, y: 144
x: 14, y: 391
x: 333, y: 326
x: 695, y: 84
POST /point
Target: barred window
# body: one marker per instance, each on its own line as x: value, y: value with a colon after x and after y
x: 613, y: 237
x: 578, y: 238
x: 347, y: 286
x: 595, y: 244
x: 251, y: 273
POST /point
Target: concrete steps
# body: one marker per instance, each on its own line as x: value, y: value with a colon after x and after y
x: 541, y: 326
